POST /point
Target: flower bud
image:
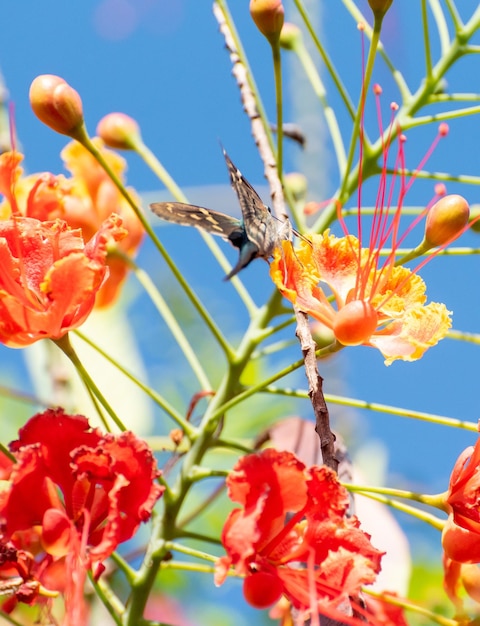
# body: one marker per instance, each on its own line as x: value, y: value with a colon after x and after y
x: 355, y: 323
x: 296, y: 184
x: 56, y: 104
x: 322, y: 335
x: 380, y: 7
x: 475, y: 218
x: 262, y: 589
x: 446, y: 220
x: 119, y: 131
x: 268, y: 15
x: 290, y: 35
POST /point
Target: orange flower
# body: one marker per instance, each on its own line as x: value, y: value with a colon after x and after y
x: 268, y: 16
x: 48, y: 277
x: 98, y: 198
x: 84, y: 201
x: 292, y: 533
x: 380, y: 307
x: 373, y: 302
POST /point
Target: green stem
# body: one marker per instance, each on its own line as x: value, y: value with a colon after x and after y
x: 382, y: 408
x: 409, y: 606
x: 171, y: 321
x: 6, y: 452
x: 122, y: 565
x: 426, y: 41
x: 277, y: 69
x: 318, y: 87
x: 108, y: 598
x: 197, y: 554
x: 158, y: 399
x: 322, y: 353
x: 343, y: 194
x: 397, y: 76
x: 423, y: 516
x: 87, y: 143
x: 165, y: 529
x: 152, y: 161
x: 437, y: 501
x: 66, y: 347
x: 326, y: 59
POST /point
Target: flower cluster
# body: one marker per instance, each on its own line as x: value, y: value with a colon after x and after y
x: 83, y: 201
x: 293, y: 533
x: 72, y: 496
x: 362, y: 299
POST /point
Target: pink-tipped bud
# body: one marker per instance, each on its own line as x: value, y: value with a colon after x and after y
x: 380, y: 7
x: 290, y: 36
x: 443, y: 129
x: 446, y: 220
x: 56, y: 104
x: 119, y: 131
x: 268, y: 15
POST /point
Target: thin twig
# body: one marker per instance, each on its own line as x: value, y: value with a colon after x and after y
x: 315, y: 391
x: 240, y: 73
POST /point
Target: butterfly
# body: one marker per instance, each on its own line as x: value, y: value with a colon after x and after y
x: 255, y: 235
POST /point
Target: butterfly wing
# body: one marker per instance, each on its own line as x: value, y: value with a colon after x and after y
x: 261, y: 227
x: 226, y: 226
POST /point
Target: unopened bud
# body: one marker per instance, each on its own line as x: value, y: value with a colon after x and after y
x: 119, y: 131
x: 475, y: 218
x: 296, y: 184
x: 176, y: 435
x: 446, y: 220
x: 290, y: 36
x: 56, y: 104
x: 322, y: 335
x: 268, y: 15
x: 380, y: 7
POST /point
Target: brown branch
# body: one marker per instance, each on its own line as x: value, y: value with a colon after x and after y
x: 241, y: 74
x: 315, y: 391
x: 245, y: 82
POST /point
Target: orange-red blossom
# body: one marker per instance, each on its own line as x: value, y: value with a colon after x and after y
x: 381, y: 307
x: 49, y: 277
x: 291, y: 535
x: 461, y: 534
x: 84, y: 200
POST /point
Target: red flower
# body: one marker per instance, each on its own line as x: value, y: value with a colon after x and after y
x: 464, y: 490
x: 293, y: 530
x: 75, y: 494
x: 461, y: 533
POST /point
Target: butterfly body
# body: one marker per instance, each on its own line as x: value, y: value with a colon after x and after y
x: 255, y: 235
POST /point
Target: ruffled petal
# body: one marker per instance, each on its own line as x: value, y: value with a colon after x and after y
x: 420, y: 328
